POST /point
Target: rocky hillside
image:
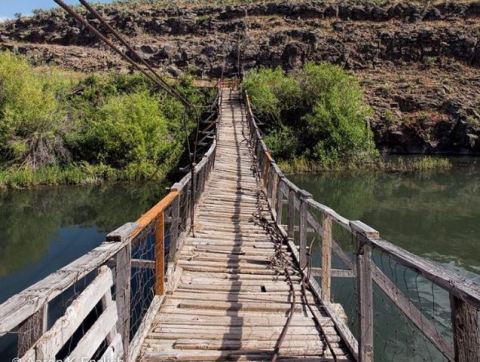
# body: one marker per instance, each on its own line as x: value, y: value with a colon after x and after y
x: 419, y: 64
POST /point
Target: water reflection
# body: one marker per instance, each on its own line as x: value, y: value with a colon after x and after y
x: 44, y: 229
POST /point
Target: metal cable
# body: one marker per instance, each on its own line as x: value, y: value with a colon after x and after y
x: 97, y: 33
x: 166, y: 86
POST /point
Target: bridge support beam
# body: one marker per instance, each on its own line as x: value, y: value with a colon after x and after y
x: 365, y: 288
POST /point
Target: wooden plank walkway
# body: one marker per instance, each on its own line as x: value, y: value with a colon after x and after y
x: 229, y: 303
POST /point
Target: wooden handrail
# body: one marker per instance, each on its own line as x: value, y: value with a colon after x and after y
x: 154, y: 212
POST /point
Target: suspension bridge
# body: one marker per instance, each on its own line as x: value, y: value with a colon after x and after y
x: 238, y: 263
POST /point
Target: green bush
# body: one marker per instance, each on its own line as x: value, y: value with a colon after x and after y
x: 321, y: 112
x: 271, y: 92
x: 127, y: 129
x: 282, y: 142
x: 31, y: 120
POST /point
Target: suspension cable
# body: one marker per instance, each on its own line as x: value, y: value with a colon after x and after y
x: 90, y: 27
x: 96, y: 14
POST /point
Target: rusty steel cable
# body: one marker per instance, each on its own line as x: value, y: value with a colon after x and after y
x: 153, y: 77
x: 122, y: 40
x: 97, y: 33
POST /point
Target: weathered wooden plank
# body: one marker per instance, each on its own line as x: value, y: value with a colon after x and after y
x: 258, y: 321
x: 456, y: 284
x: 409, y: 309
x: 122, y: 293
x: 334, y: 273
x: 240, y: 356
x: 232, y: 306
x: 95, y: 336
x: 340, y: 324
x: 143, y: 264
x: 123, y: 232
x: 21, y: 306
x: 140, y: 334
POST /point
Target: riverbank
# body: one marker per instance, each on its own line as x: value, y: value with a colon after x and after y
x: 78, y: 174
x: 317, y: 118
x: 397, y: 164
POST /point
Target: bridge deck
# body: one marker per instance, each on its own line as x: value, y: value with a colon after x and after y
x: 229, y: 302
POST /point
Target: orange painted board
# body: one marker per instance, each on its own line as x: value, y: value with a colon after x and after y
x: 154, y: 212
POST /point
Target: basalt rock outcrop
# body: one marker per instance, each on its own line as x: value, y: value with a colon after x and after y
x: 433, y: 51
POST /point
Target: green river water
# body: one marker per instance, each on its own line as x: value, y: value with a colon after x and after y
x: 433, y: 214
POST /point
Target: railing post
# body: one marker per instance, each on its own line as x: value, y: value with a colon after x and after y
x: 275, y: 181
x: 466, y: 332
x: 174, y: 226
x: 270, y: 177
x: 193, y: 196
x: 291, y: 213
x: 326, y: 257
x: 365, y: 288
x: 304, y: 195
x: 32, y: 329
x: 123, y: 272
x: 160, y: 255
x: 279, y: 199
x: 266, y: 172
x: 188, y: 199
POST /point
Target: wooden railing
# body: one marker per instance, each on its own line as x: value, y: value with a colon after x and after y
x: 302, y: 220
x: 141, y: 255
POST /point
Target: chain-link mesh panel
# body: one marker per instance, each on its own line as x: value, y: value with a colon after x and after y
x: 143, y: 275
x: 397, y: 338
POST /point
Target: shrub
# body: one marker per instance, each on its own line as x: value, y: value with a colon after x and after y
x: 127, y: 129
x: 282, y: 142
x: 271, y: 92
x: 58, y: 126
x: 31, y: 121
x: 321, y: 111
